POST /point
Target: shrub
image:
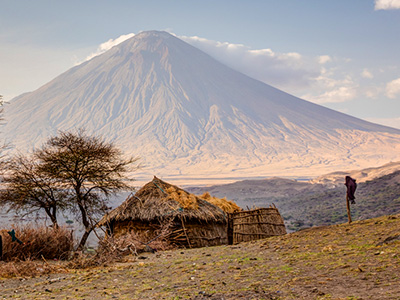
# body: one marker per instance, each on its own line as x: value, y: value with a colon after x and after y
x: 112, y: 249
x: 38, y: 242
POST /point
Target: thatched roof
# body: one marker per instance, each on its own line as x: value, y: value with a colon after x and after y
x: 224, y: 204
x: 159, y: 200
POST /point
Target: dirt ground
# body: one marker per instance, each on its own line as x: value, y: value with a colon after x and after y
x: 357, y: 261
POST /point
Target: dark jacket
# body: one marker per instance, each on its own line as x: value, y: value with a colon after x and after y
x: 351, y: 188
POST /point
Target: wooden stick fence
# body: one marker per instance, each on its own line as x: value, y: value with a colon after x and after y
x: 255, y: 224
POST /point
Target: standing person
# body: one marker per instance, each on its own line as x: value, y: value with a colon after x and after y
x: 351, y: 188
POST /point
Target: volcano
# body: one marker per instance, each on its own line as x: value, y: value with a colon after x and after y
x: 187, y: 115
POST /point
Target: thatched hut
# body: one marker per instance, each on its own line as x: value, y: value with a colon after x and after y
x: 192, y: 221
x: 255, y: 224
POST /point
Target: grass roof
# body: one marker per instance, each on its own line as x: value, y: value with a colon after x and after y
x: 226, y: 205
x: 158, y: 200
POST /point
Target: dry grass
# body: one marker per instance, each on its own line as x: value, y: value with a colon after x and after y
x: 113, y: 249
x: 28, y: 268
x: 226, y: 205
x: 140, y: 241
x: 185, y: 199
x: 189, y: 201
x: 38, y: 242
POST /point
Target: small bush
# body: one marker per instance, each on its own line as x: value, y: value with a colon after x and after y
x: 38, y: 242
x: 112, y: 249
x: 132, y: 242
x: 158, y: 238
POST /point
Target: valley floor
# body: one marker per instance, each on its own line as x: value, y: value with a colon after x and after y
x: 357, y: 261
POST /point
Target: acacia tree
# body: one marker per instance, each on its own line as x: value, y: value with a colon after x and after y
x: 90, y: 168
x: 26, y: 189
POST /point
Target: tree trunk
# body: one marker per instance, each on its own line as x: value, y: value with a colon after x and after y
x: 86, y: 224
x: 84, y: 239
x: 55, y: 223
x: 52, y: 215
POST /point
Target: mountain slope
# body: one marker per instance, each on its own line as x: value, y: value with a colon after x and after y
x: 303, y: 204
x: 188, y: 115
x: 336, y: 178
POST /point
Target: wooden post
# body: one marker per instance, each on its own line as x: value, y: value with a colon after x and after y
x: 230, y: 229
x: 348, y: 208
x: 184, y: 230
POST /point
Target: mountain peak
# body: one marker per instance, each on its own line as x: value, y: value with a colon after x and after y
x: 149, y: 37
x: 186, y: 114
x: 153, y: 33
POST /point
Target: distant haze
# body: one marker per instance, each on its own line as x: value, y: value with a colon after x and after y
x: 189, y: 116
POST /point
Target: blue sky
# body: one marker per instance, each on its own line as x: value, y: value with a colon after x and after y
x: 341, y: 54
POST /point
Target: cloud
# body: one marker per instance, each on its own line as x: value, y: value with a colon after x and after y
x: 323, y: 59
x: 387, y: 4
x: 393, y: 88
x: 332, y: 87
x: 292, y: 72
x: 108, y: 45
x: 283, y: 70
x: 367, y: 74
x: 334, y: 95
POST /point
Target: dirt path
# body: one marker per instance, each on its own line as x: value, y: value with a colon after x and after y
x: 336, y: 262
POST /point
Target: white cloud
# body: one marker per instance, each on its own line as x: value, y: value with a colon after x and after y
x: 335, y: 95
x: 367, y: 74
x: 323, y: 59
x: 327, y: 89
x: 393, y: 88
x: 387, y: 4
x: 307, y: 77
x: 286, y: 71
x: 108, y: 45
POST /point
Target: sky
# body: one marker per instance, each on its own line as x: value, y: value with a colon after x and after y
x: 341, y: 54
